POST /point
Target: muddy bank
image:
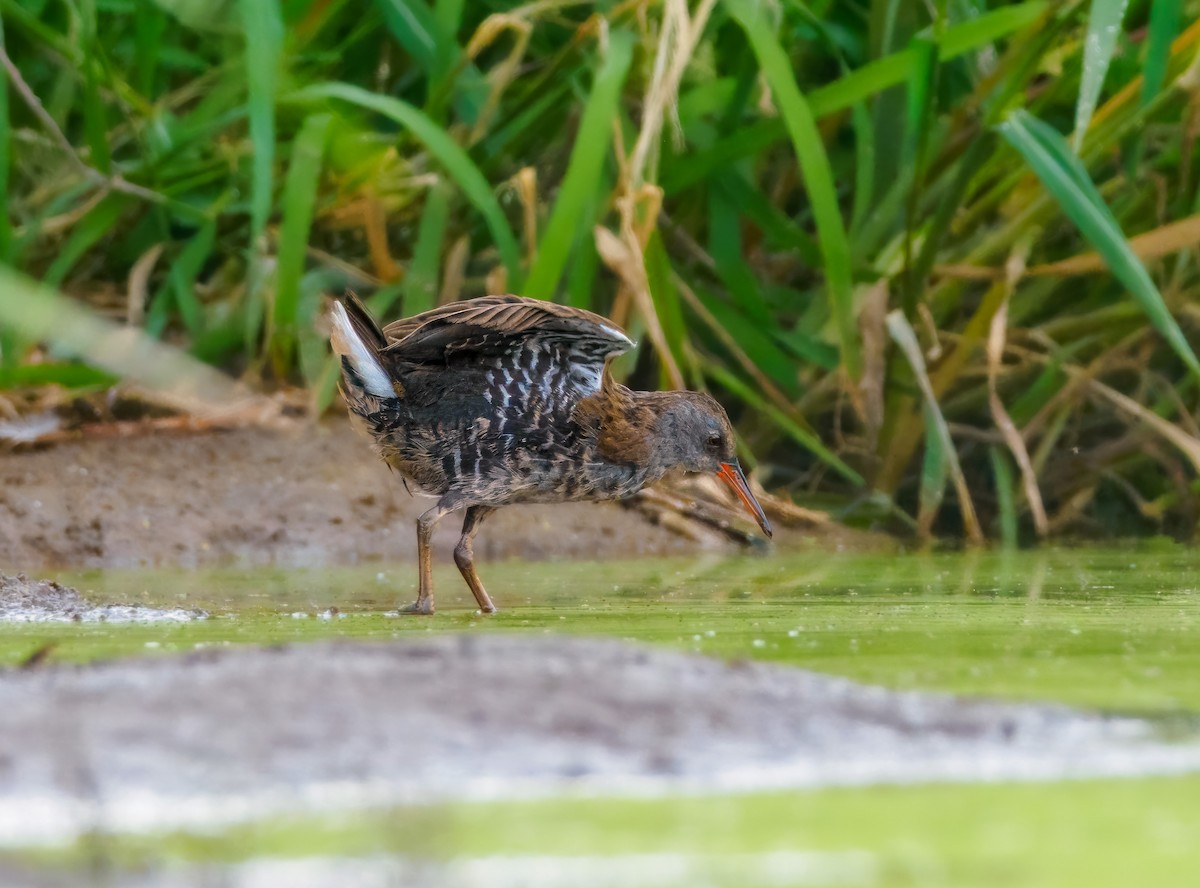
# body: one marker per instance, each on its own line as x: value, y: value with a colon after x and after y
x: 218, y: 737
x: 253, y: 496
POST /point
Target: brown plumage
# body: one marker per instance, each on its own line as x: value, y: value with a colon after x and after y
x: 502, y: 400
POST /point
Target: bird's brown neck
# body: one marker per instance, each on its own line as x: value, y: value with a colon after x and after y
x: 626, y: 422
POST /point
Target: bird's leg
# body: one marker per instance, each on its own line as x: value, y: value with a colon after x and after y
x: 425, y: 525
x: 464, y: 556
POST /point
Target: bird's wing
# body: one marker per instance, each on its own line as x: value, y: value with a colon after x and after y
x: 503, y: 324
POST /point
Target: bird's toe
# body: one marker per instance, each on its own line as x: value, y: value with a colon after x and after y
x: 420, y: 608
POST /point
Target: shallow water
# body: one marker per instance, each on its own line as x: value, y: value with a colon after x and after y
x: 1117, y: 628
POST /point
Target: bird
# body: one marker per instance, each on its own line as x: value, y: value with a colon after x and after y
x: 498, y: 400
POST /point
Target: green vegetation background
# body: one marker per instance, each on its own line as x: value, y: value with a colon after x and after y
x: 939, y: 259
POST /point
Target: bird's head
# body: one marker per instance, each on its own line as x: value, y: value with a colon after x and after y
x: 694, y: 434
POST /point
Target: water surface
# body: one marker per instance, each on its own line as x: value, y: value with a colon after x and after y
x: 1115, y: 628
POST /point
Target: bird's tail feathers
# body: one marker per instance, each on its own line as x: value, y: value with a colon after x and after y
x: 358, y: 340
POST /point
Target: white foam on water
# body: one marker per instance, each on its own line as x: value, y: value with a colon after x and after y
x: 786, y: 867
x: 109, y: 613
x: 55, y: 818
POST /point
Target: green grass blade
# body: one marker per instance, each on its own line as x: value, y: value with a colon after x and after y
x: 99, y: 222
x: 69, y: 376
x: 984, y: 28
x: 95, y: 109
x: 709, y: 97
x: 1049, y: 382
x: 1104, y: 26
x: 6, y: 231
x: 149, y: 27
x: 445, y: 150
x: 420, y: 32
x: 217, y: 16
x: 183, y: 277
x: 1048, y: 156
x: 27, y: 18
x: 412, y: 23
x: 592, y: 144
x: 816, y: 173
x: 892, y: 70
x: 312, y: 346
x: 449, y: 15
x: 849, y: 90
x: 381, y: 301
x: 864, y: 166
x: 919, y: 97
x: 667, y: 304
x: 744, y: 141
x: 918, y: 121
x: 952, y: 200
x: 935, y: 470
x: 725, y: 247
x: 864, y: 132
x: 902, y: 334
x: 421, y: 285
x: 179, y: 291
x: 501, y: 138
x: 299, y: 201
x: 808, y: 347
x: 1006, y: 503
x: 1051, y: 143
x: 755, y: 340
x: 780, y: 230
x: 263, y: 30
x: 1164, y: 26
x: 884, y: 15
x: 581, y: 278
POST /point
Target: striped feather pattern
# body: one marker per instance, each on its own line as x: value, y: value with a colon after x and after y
x: 495, y: 324
x: 488, y: 392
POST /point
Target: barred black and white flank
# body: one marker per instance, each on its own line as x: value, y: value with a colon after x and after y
x: 502, y: 400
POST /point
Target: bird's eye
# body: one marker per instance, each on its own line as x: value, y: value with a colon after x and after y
x: 713, y: 442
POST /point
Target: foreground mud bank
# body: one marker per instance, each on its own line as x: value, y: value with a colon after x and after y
x: 223, y: 736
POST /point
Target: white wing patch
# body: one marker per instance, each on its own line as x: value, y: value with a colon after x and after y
x: 618, y: 336
x: 362, y: 358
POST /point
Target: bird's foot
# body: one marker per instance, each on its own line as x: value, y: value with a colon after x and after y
x: 423, y: 607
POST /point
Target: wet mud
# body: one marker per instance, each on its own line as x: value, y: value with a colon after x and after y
x: 221, y: 736
x: 254, y: 496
